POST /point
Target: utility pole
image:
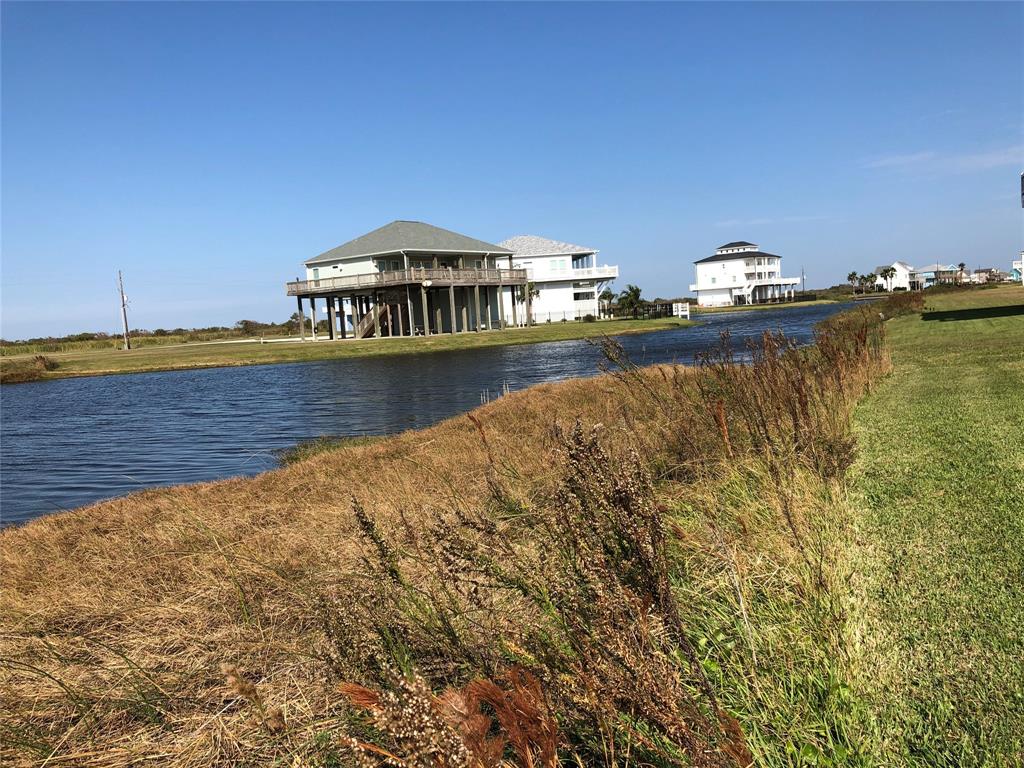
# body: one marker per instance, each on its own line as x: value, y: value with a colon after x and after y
x: 803, y: 280
x: 124, y: 310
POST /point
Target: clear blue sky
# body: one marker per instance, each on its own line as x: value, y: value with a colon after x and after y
x: 207, y: 149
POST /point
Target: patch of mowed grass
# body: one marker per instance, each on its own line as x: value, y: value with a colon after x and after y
x: 939, y: 639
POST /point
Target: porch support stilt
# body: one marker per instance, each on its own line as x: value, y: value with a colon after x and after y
x: 312, y: 314
x: 302, y: 320
x: 501, y: 306
x: 332, y: 318
x: 476, y: 305
x: 451, y: 304
x: 344, y: 320
x: 426, y: 311
x: 376, y: 318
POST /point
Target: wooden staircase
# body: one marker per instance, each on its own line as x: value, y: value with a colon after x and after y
x: 364, y: 328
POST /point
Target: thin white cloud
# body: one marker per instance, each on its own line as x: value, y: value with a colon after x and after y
x: 963, y: 162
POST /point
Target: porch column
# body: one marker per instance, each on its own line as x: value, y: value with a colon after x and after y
x: 332, y: 318
x: 451, y: 301
x: 401, y: 330
x: 408, y: 301
x: 487, y: 308
x: 302, y: 320
x: 376, y: 317
x: 312, y: 314
x: 465, y: 309
x: 501, y: 303
x: 476, y: 305
x: 344, y: 321
x: 515, y: 301
x: 426, y: 311
x: 438, y: 324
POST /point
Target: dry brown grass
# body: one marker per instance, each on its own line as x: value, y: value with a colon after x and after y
x: 213, y: 624
x: 117, y: 617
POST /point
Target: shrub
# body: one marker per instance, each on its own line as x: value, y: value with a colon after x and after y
x: 589, y: 319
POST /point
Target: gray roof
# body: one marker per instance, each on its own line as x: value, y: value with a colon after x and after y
x: 735, y: 256
x: 533, y: 245
x: 737, y: 244
x: 407, y: 236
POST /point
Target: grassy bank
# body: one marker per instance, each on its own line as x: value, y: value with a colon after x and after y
x: 98, y: 362
x: 940, y: 499
x: 653, y: 567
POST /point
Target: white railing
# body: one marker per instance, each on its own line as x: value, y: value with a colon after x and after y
x: 583, y: 273
x: 440, y: 276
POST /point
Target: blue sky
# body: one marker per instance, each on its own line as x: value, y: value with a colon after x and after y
x: 207, y: 149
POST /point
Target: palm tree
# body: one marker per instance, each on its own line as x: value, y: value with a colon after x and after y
x: 866, y: 281
x: 887, y: 275
x: 630, y: 299
x: 606, y: 298
x: 531, y: 291
x: 852, y: 280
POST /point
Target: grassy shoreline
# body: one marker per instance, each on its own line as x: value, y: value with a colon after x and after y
x: 148, y: 359
x: 688, y: 578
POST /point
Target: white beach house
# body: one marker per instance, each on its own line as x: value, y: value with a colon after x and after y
x: 900, y: 281
x: 566, y: 277
x: 741, y: 273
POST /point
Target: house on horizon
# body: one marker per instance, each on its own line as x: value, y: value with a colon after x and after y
x: 741, y: 273
x: 899, y: 282
x: 410, y: 278
x: 566, y: 277
x: 927, y: 276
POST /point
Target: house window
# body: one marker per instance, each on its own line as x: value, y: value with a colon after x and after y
x: 712, y: 280
x: 583, y: 296
x: 316, y: 273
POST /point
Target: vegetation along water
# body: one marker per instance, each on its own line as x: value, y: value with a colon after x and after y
x: 812, y: 558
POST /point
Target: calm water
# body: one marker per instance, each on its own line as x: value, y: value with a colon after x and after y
x: 70, y: 442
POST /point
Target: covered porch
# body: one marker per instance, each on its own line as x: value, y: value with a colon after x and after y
x: 418, y: 301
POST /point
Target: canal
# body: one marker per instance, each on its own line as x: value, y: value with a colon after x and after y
x: 70, y: 442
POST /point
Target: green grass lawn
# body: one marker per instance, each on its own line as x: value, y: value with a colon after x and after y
x: 938, y: 619
x: 156, y: 358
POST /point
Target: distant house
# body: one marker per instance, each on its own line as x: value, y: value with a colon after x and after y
x: 899, y: 282
x: 925, y: 277
x: 566, y: 277
x: 741, y: 273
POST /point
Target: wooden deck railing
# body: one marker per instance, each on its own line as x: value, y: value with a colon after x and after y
x: 441, y: 277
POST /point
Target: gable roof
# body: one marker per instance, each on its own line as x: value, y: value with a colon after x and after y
x: 735, y: 256
x: 534, y: 245
x: 407, y: 236
x: 737, y: 244
x: 878, y: 270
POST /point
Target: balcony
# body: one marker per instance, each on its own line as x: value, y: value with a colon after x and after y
x: 439, y: 278
x: 584, y: 273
